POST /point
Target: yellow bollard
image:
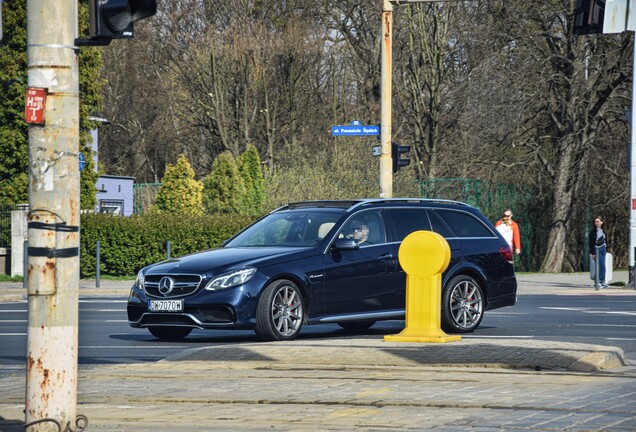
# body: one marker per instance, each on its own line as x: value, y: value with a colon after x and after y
x: 424, y: 255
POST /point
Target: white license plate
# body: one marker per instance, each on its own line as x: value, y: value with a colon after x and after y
x: 165, y: 305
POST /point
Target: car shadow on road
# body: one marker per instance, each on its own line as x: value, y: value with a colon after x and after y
x: 321, y: 331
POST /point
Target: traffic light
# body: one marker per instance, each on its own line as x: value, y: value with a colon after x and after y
x: 588, y: 16
x: 396, y: 154
x: 113, y: 19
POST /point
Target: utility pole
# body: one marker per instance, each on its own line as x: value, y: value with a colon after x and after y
x: 632, y: 176
x: 53, y: 221
x: 386, y: 163
x: 386, y: 82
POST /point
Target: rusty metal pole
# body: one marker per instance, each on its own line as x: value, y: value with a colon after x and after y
x: 53, y: 221
x: 386, y: 163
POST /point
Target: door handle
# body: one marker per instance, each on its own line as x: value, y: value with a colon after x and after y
x: 386, y: 256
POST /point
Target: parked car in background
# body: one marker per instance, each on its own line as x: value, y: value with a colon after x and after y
x: 325, y: 262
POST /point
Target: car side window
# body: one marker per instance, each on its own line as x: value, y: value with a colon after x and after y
x: 408, y: 220
x: 464, y: 224
x: 366, y: 228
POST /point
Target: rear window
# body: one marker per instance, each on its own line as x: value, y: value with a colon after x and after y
x: 464, y: 224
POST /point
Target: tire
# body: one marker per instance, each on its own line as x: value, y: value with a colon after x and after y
x: 463, y: 305
x: 170, y: 333
x: 280, y: 312
x: 356, y: 325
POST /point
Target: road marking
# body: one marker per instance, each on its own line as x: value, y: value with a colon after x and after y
x: 489, y: 313
x: 629, y: 313
x: 496, y: 337
x: 103, y: 310
x: 604, y: 325
x: 591, y: 310
x: 103, y: 301
x: 134, y: 347
x: 83, y: 310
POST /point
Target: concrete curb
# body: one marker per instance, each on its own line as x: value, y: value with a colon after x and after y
x: 12, y: 297
x: 467, y: 353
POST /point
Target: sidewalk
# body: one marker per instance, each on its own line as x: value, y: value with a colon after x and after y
x: 529, y: 283
x: 357, y: 384
x: 12, y: 291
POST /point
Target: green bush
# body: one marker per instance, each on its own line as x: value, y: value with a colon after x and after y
x: 179, y: 191
x: 129, y: 243
x: 249, y: 164
x: 224, y: 188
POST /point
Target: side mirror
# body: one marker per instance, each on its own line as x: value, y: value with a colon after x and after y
x: 346, y: 244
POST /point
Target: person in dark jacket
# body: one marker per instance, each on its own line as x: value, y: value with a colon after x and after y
x: 598, y: 248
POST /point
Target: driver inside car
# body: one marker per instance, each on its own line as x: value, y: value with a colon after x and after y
x: 359, y: 231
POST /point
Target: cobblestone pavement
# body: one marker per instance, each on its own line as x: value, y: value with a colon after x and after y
x: 205, y: 396
x: 360, y: 384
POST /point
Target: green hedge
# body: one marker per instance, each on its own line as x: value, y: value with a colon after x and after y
x: 129, y: 243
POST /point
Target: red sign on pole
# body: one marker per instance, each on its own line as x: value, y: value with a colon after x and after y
x: 35, y: 103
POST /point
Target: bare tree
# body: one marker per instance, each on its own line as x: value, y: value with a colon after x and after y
x: 492, y: 90
x: 563, y: 86
x: 431, y: 69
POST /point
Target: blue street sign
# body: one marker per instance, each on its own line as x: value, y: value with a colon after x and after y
x: 355, y: 129
x: 82, y: 161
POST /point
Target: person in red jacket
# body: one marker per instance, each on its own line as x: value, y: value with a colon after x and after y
x: 516, y: 237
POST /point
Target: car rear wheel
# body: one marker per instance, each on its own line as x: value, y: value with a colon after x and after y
x: 462, y: 305
x: 280, y: 312
x: 356, y: 325
x: 170, y: 333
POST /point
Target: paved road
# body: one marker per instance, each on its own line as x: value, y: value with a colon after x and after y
x: 602, y: 318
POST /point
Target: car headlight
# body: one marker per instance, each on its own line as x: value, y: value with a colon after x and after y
x: 139, y: 281
x: 231, y: 279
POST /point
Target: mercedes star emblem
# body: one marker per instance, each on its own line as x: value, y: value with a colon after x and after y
x: 166, y: 284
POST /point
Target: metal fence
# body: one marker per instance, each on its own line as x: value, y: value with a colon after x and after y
x: 144, y: 196
x: 5, y: 224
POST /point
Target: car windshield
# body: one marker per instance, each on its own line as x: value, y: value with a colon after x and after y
x: 299, y: 227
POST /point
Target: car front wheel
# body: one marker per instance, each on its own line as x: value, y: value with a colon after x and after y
x: 280, y: 312
x: 462, y: 305
x: 170, y: 333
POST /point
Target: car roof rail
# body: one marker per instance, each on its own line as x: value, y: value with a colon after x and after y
x: 322, y: 203
x: 353, y: 204
x: 407, y: 200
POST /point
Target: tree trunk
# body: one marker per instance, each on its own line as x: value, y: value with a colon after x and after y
x: 564, y: 188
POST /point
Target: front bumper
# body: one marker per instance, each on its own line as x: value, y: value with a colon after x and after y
x: 230, y: 308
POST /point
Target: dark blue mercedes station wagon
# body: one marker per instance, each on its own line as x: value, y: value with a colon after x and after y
x: 325, y: 262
